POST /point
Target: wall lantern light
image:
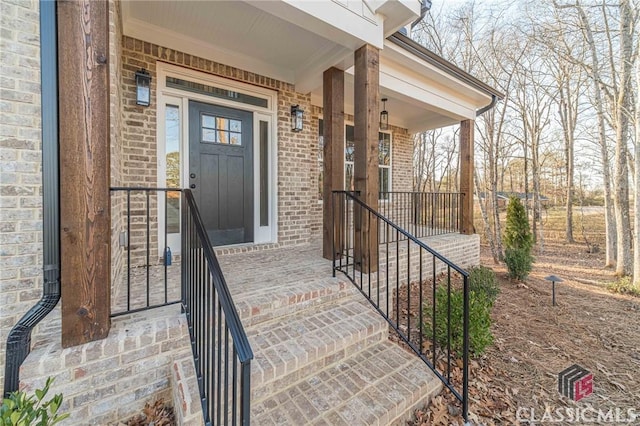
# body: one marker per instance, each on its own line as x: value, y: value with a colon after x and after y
x: 384, y: 116
x: 297, y: 115
x: 143, y: 88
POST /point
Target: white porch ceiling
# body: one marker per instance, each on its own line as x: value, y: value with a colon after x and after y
x: 295, y: 43
x: 238, y: 34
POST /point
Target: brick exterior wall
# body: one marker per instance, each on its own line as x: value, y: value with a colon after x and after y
x: 139, y: 151
x: 20, y: 165
x: 118, y: 200
x: 108, y: 381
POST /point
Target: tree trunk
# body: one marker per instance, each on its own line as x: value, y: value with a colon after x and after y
x: 485, y: 221
x: 636, y: 173
x: 598, y: 102
x: 623, y: 104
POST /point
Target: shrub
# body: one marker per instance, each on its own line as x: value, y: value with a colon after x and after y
x: 518, y: 241
x: 483, y: 280
x: 519, y: 263
x: 21, y: 409
x: 479, y: 320
x: 624, y: 286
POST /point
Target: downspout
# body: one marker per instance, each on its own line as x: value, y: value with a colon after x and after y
x: 494, y: 100
x: 425, y: 6
x: 19, y: 339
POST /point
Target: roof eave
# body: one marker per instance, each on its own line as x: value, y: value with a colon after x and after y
x: 425, y: 54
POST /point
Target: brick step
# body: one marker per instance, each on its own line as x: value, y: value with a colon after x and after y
x: 293, y: 347
x: 380, y: 385
x: 273, y: 304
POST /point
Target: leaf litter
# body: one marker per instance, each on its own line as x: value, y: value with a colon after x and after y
x: 534, y: 341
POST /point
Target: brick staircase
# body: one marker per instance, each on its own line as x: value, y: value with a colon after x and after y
x: 322, y: 355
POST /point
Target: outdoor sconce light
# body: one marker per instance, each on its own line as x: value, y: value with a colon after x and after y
x: 143, y: 88
x: 384, y: 116
x: 297, y: 115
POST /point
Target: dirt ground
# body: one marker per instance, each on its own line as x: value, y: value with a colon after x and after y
x: 516, y: 380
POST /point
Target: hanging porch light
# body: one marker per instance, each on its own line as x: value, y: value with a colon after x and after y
x: 384, y: 116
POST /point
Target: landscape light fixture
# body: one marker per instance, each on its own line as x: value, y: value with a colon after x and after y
x: 553, y: 280
x: 143, y: 88
x: 297, y: 115
x: 384, y: 116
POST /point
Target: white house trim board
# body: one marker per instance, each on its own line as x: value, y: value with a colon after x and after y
x: 262, y: 234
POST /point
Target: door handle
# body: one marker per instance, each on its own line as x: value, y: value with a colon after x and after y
x: 192, y: 186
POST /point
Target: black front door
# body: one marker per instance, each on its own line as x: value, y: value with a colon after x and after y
x: 221, y: 171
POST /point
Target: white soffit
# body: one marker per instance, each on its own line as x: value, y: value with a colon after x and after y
x: 234, y: 33
x: 398, y: 57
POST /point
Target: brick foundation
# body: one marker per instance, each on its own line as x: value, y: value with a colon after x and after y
x: 110, y: 380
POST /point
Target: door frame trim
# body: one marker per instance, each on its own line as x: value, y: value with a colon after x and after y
x: 261, y: 234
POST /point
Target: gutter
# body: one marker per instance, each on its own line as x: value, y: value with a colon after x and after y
x: 426, y: 55
x: 19, y: 339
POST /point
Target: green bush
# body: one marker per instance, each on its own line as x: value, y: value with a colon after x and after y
x: 483, y: 280
x: 518, y: 241
x: 479, y: 320
x: 21, y: 409
x: 624, y: 286
x: 519, y: 263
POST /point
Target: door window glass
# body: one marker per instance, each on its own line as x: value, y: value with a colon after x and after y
x: 221, y: 130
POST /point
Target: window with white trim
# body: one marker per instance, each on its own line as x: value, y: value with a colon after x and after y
x: 384, y: 159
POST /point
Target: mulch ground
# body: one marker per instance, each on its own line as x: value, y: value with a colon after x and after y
x: 516, y: 379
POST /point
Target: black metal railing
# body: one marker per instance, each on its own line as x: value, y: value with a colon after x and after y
x: 145, y: 275
x: 221, y: 350
x: 422, y: 214
x: 405, y: 280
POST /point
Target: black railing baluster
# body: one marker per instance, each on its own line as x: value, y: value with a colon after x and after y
x: 409, y: 289
x: 414, y: 212
x: 433, y: 310
x: 128, y: 242
x: 210, y: 312
x: 420, y: 305
x: 448, y: 323
x: 148, y: 265
x: 166, y: 245
x: 148, y: 282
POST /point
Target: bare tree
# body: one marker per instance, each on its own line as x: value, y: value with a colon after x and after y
x: 636, y: 222
x: 622, y: 110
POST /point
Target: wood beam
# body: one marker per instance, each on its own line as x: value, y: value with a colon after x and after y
x: 333, y: 160
x: 367, y: 123
x: 83, y: 46
x: 466, y: 176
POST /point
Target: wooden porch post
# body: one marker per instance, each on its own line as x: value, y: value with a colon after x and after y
x: 333, y: 160
x: 85, y: 222
x: 466, y: 176
x: 367, y: 123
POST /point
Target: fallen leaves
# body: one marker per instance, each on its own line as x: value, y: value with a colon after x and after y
x: 156, y: 414
x: 534, y: 341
